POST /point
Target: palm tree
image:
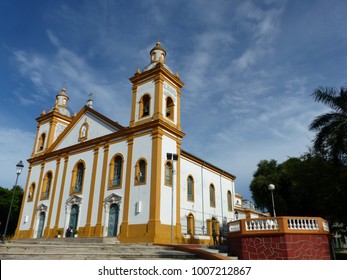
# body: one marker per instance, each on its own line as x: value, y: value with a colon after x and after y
x: 331, y: 137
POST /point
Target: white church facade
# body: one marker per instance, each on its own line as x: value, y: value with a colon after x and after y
x: 91, y: 174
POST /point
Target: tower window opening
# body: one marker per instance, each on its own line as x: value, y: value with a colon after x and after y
x: 42, y: 142
x: 145, y: 106
x: 169, y: 108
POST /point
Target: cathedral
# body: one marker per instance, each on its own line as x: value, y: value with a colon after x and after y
x: 89, y: 176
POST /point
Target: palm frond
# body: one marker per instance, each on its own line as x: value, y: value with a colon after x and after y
x: 331, y: 128
x: 337, y: 100
x: 323, y: 120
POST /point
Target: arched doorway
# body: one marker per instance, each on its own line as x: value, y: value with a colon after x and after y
x: 113, y: 215
x: 113, y: 220
x: 42, y: 218
x: 74, y: 216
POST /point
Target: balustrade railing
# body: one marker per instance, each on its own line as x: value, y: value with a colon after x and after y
x: 279, y: 224
x: 234, y: 226
x: 268, y: 224
x: 303, y: 223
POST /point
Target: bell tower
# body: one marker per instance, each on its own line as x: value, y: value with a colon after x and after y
x: 156, y: 125
x: 156, y: 92
x: 51, y: 124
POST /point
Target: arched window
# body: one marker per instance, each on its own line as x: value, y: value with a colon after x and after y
x: 31, y: 192
x: 212, y: 196
x: 190, y: 224
x: 41, y: 142
x: 78, y: 178
x: 230, y: 207
x: 116, y: 168
x: 169, y: 108
x: 140, y: 172
x: 145, y: 106
x: 168, y: 173
x: 190, y: 188
x: 47, y: 184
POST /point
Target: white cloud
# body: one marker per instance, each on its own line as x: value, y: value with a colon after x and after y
x: 248, y: 67
x: 49, y: 73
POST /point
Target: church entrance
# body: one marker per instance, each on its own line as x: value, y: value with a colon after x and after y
x: 74, y: 216
x: 113, y: 220
x: 41, y: 224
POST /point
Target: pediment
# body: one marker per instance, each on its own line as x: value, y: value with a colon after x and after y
x: 42, y: 208
x: 113, y: 198
x: 88, y: 124
x: 74, y: 199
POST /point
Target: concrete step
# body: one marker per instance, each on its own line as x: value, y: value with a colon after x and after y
x: 109, y: 240
x: 59, y: 250
x: 101, y: 248
x: 219, y: 251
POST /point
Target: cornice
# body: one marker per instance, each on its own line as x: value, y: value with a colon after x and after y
x: 51, y: 115
x: 152, y: 127
x: 157, y: 70
x: 207, y: 164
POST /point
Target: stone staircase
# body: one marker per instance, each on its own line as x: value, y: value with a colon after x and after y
x: 102, y: 249
x: 221, y: 250
x: 83, y: 249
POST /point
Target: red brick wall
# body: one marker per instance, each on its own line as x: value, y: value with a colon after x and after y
x: 281, y: 247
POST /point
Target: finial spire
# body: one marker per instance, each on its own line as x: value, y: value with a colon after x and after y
x: 158, y: 53
x: 61, y: 102
x: 90, y: 100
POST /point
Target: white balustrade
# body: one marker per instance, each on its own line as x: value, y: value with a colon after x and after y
x: 303, y: 224
x: 268, y: 224
x: 234, y: 226
x: 274, y: 224
x: 325, y: 226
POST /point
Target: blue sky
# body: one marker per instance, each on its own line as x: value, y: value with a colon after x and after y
x: 249, y: 69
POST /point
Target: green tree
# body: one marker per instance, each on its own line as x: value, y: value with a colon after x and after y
x: 5, y: 202
x: 266, y: 173
x: 331, y: 128
x: 305, y: 186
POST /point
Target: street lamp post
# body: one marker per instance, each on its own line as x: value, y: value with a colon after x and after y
x: 272, y: 188
x: 172, y: 157
x: 19, y: 166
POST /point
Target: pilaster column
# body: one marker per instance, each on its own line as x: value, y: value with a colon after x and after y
x: 87, y: 229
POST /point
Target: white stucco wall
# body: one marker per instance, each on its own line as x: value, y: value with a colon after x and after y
x: 29, y: 206
x: 142, y: 148
x: 87, y: 158
x: 200, y: 207
x: 169, y: 146
x: 97, y: 128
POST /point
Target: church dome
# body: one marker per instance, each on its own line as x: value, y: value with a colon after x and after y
x: 158, y: 55
x: 61, y: 103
